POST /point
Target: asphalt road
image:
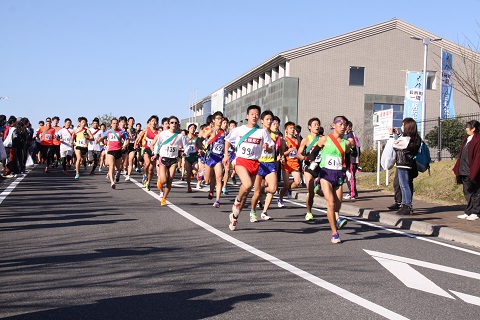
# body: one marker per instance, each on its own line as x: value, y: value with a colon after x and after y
x: 76, y: 249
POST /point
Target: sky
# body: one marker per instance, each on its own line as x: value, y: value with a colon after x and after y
x: 74, y: 58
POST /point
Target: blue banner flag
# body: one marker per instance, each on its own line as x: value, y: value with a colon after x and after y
x: 413, y: 103
x: 447, y: 108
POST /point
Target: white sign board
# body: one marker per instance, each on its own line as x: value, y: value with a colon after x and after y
x: 383, y: 121
x: 217, y: 99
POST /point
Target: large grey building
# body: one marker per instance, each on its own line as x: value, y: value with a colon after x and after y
x: 353, y: 74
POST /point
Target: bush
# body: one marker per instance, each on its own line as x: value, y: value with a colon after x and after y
x: 368, y: 160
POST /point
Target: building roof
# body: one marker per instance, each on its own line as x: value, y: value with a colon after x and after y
x: 392, y: 24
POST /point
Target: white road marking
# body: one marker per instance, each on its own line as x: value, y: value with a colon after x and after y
x: 284, y: 265
x: 467, y: 298
x: 10, y: 188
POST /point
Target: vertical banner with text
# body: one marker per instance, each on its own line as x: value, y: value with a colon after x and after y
x: 447, y: 108
x: 413, y: 103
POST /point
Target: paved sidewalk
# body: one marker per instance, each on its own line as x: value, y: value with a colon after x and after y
x: 429, y: 218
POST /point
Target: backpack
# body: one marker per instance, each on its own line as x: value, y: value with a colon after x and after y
x: 423, y: 158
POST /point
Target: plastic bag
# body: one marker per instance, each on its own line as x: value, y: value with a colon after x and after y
x: 388, y: 156
x: 29, y: 162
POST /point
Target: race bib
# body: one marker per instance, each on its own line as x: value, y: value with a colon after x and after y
x: 333, y: 163
x: 81, y: 142
x: 218, y: 148
x: 48, y: 136
x: 169, y: 151
x: 292, y: 154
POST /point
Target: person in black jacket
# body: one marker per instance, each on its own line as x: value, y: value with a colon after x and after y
x: 467, y: 170
x: 406, y: 148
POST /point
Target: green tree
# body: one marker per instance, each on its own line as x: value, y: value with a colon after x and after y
x: 453, y: 132
x: 106, y: 118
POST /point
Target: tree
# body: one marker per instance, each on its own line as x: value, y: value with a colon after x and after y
x: 466, y: 73
x: 106, y: 118
x: 453, y: 132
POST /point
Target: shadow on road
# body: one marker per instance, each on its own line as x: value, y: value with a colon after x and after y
x: 166, y: 305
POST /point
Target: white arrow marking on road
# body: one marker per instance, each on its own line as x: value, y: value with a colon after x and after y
x: 467, y: 298
x: 411, y: 277
x: 400, y: 268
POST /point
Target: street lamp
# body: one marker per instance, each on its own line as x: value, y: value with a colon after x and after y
x: 426, y: 42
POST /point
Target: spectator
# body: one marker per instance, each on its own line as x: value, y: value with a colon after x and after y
x: 467, y: 170
x: 406, y: 148
x: 352, y: 164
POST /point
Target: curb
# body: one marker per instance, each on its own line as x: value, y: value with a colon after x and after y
x: 390, y: 219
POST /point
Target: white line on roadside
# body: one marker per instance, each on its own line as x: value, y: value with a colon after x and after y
x: 282, y: 264
x: 10, y: 188
x: 396, y: 231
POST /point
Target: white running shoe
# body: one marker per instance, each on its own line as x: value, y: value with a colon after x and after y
x: 462, y: 216
x: 127, y: 178
x: 472, y: 217
x: 199, y: 185
x: 233, y: 222
x: 265, y: 216
x: 161, y: 194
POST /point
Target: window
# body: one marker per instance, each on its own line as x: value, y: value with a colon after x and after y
x: 431, y: 80
x: 357, y: 76
x: 397, y: 112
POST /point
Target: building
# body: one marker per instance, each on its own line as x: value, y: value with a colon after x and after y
x: 353, y: 74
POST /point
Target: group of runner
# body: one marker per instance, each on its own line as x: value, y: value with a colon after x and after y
x: 212, y: 154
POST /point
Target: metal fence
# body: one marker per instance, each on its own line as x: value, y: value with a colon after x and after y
x: 444, y: 136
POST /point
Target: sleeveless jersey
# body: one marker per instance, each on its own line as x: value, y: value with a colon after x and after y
x: 80, y: 139
x: 331, y: 156
x: 269, y: 156
x: 149, y: 136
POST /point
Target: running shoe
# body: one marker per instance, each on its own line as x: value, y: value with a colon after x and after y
x: 160, y: 194
x: 336, y: 238
x: 462, y: 216
x: 233, y: 222
x: 100, y: 169
x: 189, y: 190
x: 163, y: 202
x: 117, y: 176
x: 236, y: 207
x: 210, y: 195
x: 347, y: 197
x: 147, y: 187
x: 127, y: 178
x: 225, y: 190
x: 253, y: 216
x: 216, y: 204
x: 280, y: 203
x: 113, y: 185
x: 46, y: 169
x: 472, y: 217
x: 144, y: 179
x: 341, y: 222
x: 265, y: 216
x: 309, y: 216
x: 199, y: 185
x: 259, y: 204
x: 289, y: 194
x: 77, y: 176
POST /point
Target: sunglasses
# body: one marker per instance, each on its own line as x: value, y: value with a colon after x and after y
x: 173, y: 122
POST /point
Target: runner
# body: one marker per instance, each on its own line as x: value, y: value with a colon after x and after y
x: 64, y: 135
x: 267, y: 172
x: 201, y: 148
x: 56, y: 143
x: 250, y: 141
x: 214, y: 156
x: 291, y: 165
x: 131, y: 150
x: 117, y: 143
x: 94, y: 148
x: 310, y: 162
x: 168, y: 143
x: 191, y: 156
x: 149, y: 134
x: 80, y: 136
x: 103, y: 152
x: 46, y: 135
x: 122, y: 125
x: 332, y: 172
